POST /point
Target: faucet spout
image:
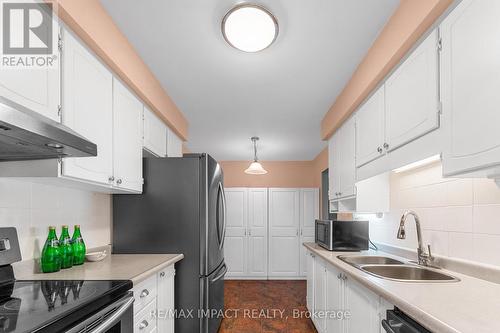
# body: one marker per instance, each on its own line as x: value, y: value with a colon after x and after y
x: 424, y: 258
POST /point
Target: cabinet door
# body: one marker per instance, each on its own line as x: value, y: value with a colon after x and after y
x: 165, y: 298
x: 174, y: 144
x: 470, y: 73
x: 154, y: 134
x: 235, y: 243
x: 37, y: 89
x: 411, y: 96
x: 310, y: 257
x: 309, y: 212
x: 370, y: 129
x: 284, y: 232
x: 334, y: 297
x: 320, y: 295
x: 257, y: 232
x: 127, y: 138
x: 334, y: 166
x: 364, y: 308
x: 347, y: 159
x: 88, y: 110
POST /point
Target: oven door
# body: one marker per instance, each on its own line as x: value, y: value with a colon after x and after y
x: 117, y: 317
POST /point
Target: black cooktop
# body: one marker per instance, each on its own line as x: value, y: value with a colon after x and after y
x: 51, y: 306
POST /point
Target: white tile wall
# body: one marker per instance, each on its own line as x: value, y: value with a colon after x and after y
x: 32, y: 207
x: 460, y: 217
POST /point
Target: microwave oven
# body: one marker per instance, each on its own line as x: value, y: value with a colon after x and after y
x: 335, y: 235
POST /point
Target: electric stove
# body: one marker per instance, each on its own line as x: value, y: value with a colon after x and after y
x: 59, y: 305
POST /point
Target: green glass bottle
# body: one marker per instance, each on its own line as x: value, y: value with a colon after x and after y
x: 79, y: 249
x: 66, y: 248
x: 51, y: 255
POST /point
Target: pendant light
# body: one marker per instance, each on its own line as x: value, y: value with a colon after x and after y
x: 255, y: 167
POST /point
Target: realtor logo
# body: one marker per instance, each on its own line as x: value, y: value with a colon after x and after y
x: 27, y: 28
x: 27, y: 35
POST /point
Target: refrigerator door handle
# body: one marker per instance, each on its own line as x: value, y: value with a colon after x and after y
x: 221, y: 275
x: 223, y: 215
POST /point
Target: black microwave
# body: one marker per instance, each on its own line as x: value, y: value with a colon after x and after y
x: 337, y: 235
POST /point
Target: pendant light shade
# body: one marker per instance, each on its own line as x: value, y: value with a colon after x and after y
x: 255, y: 167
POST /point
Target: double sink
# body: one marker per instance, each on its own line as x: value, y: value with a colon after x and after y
x: 396, y: 270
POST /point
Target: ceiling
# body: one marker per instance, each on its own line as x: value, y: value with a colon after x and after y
x: 280, y: 94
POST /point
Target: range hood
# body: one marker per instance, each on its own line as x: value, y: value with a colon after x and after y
x: 27, y: 135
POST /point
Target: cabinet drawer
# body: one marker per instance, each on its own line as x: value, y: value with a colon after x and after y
x: 144, y: 292
x: 144, y: 322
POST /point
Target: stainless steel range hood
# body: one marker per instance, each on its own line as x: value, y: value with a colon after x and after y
x: 27, y: 135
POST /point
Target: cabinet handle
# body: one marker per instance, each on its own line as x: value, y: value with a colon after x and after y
x: 249, y: 232
x: 344, y: 277
x: 245, y: 232
x: 144, y: 293
x: 119, y: 181
x: 386, y: 145
x: 162, y: 274
x: 339, y: 276
x: 143, y: 324
x: 111, y: 179
x: 379, y: 149
x: 297, y: 232
x: 301, y: 232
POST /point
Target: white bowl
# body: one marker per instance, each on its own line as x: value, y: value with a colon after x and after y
x: 96, y: 256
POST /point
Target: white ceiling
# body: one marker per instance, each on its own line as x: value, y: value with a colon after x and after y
x: 280, y: 94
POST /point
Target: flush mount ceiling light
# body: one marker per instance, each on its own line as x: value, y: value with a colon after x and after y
x: 255, y: 167
x: 249, y: 28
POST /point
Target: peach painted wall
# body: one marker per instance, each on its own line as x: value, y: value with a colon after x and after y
x: 90, y: 21
x: 409, y: 22
x: 280, y: 173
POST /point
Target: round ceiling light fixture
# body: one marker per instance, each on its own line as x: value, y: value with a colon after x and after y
x: 249, y: 28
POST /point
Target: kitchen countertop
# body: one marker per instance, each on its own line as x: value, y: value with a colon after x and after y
x: 134, y: 267
x: 471, y: 305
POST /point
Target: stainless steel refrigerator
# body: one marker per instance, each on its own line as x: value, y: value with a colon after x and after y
x: 182, y: 210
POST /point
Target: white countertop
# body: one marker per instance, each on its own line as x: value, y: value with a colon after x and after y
x: 134, y: 267
x: 471, y: 305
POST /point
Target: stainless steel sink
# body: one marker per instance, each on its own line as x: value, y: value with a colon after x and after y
x: 369, y: 260
x: 408, y: 273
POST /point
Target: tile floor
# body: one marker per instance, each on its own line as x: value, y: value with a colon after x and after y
x: 265, y: 307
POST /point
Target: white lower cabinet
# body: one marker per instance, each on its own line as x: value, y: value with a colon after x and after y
x: 154, y: 303
x: 339, y: 304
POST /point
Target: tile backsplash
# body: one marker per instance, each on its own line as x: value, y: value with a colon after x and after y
x: 32, y: 207
x: 460, y: 218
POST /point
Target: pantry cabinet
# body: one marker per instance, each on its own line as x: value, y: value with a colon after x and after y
x: 342, y: 168
x: 245, y: 246
x: 284, y: 224
x: 88, y: 110
x: 127, y: 139
x: 37, y: 89
x: 411, y: 96
x: 154, y: 134
x: 470, y: 81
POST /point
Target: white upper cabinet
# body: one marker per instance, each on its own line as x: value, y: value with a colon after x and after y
x: 342, y: 162
x: 370, y: 129
x: 470, y: 88
x: 127, y: 138
x: 87, y: 109
x: 154, y: 134
x: 411, y: 96
x: 348, y: 159
x: 37, y: 89
x: 174, y: 145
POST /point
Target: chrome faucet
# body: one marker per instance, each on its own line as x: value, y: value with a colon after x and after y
x: 424, y: 258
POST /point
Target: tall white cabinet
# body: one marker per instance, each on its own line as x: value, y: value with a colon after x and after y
x: 245, y: 246
x: 261, y: 241
x: 284, y: 224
